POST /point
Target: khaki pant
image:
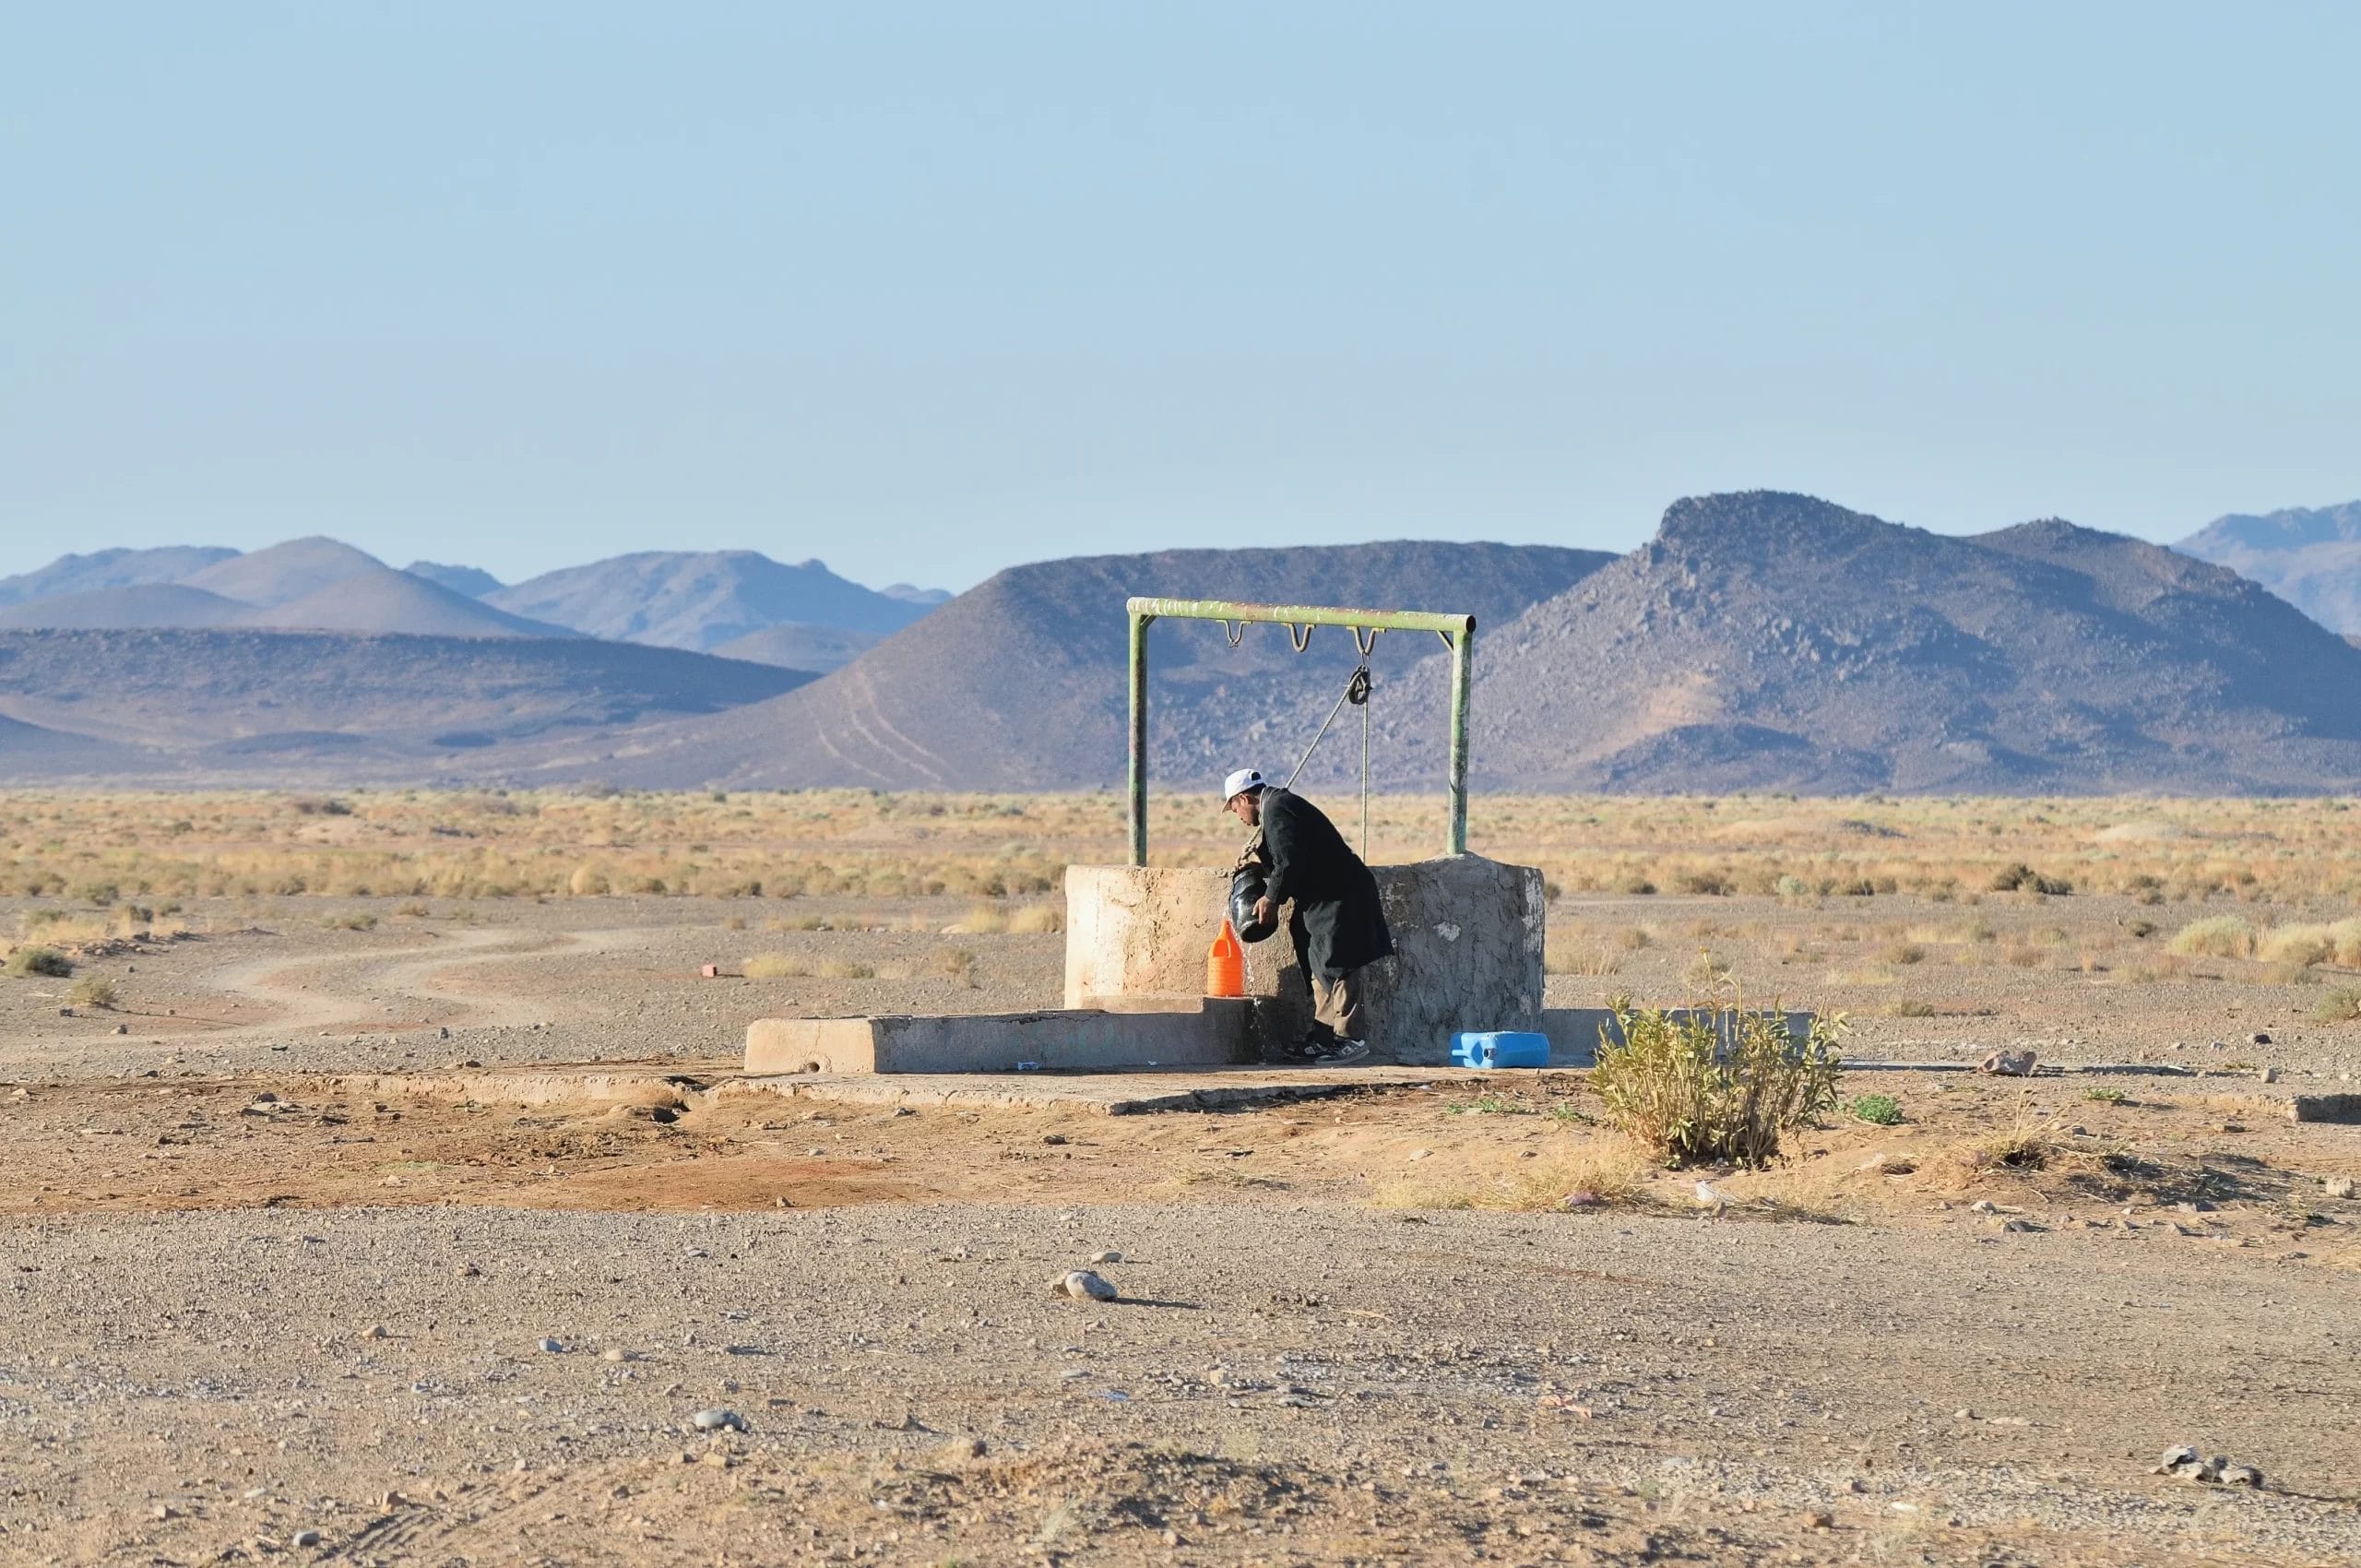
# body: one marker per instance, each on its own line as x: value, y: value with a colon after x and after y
x: 1337, y: 1003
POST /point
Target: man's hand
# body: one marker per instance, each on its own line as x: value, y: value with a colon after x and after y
x: 1262, y: 910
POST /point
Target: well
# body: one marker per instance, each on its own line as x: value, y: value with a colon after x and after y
x: 1468, y: 934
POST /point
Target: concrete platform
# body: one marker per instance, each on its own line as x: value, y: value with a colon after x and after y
x: 1191, y: 1032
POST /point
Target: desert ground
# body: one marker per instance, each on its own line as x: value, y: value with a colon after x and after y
x: 307, y: 1262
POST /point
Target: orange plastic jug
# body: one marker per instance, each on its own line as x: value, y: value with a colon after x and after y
x: 1225, y: 965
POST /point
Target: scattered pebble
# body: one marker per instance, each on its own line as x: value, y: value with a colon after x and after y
x: 1084, y: 1286
x: 2337, y: 1187
x: 1110, y: 1255
x: 307, y: 1538
x: 2008, y: 1064
x: 551, y: 1345
x: 718, y: 1419
x: 375, y: 1331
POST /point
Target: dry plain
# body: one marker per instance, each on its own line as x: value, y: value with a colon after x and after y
x: 283, y: 1250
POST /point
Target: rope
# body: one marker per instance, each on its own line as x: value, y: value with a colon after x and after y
x: 1357, y: 689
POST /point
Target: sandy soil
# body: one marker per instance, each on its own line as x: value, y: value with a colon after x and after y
x: 249, y: 1299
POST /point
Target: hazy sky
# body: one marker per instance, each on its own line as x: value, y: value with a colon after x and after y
x: 923, y: 291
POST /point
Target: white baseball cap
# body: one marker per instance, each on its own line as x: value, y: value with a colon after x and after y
x: 1238, y: 783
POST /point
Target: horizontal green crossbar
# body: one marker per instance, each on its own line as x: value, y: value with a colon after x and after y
x: 1459, y: 630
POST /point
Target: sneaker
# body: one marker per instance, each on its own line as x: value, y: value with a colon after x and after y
x: 1334, y: 1051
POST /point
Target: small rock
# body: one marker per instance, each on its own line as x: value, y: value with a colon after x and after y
x: 2337, y: 1187
x: 1110, y: 1255
x: 718, y: 1420
x: 1582, y: 1198
x: 2270, y: 1074
x: 1422, y: 1154
x: 2239, y: 1475
x: 307, y: 1538
x: 1053, y: 1139
x: 375, y: 1331
x: 1819, y: 1521
x: 163, y: 1510
x: 615, y: 1354
x: 2257, y: 1038
x: 1084, y: 1286
x: 122, y: 1029
x: 469, y: 1271
x: 551, y: 1347
x: 1982, y: 1206
x: 1963, y: 1414
x: 2008, y: 1064
x: 961, y: 1449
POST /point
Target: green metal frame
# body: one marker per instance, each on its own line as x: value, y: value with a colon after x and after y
x: 1457, y: 631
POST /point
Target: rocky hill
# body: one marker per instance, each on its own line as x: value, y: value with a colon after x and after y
x: 797, y: 646
x: 1019, y: 683
x: 1764, y: 641
x: 274, y: 706
x: 2311, y: 557
x: 110, y: 569
x: 678, y: 598
x: 473, y: 581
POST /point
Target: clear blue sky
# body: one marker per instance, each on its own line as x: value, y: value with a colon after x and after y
x: 926, y: 289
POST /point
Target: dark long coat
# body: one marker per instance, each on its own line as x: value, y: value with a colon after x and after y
x: 1338, y: 926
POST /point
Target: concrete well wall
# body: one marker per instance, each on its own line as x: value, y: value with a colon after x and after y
x: 1468, y: 933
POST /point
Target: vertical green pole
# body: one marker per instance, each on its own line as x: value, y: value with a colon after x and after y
x: 1139, y: 738
x: 1457, y: 842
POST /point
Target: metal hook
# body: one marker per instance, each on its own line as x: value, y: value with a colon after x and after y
x: 1367, y: 645
x: 1300, y: 635
x: 1235, y: 637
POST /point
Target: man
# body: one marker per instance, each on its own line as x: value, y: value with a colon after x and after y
x: 1336, y: 926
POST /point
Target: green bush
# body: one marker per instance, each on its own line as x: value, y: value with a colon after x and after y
x: 1882, y: 1109
x: 94, y: 990
x: 26, y: 961
x: 2341, y: 1005
x: 2023, y: 878
x: 1716, y: 1084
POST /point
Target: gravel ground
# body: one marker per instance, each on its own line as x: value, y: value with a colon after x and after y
x: 1712, y: 1384
x: 215, y: 1339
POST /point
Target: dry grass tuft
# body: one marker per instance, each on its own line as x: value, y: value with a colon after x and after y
x: 775, y: 965
x: 2216, y: 936
x: 1035, y: 920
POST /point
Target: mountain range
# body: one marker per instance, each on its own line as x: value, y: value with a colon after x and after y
x: 1759, y: 641
x: 803, y: 617
x: 2310, y: 557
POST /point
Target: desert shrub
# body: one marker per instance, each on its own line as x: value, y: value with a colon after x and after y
x: 98, y: 893
x: 351, y: 923
x: 1035, y: 919
x: 956, y: 962
x: 2341, y: 1005
x: 29, y: 961
x: 1636, y: 886
x: 1882, y: 1109
x: 1710, y: 883
x: 1633, y: 938
x: 775, y: 965
x: 983, y: 920
x: 1912, y: 1007
x: 2023, y: 878
x: 1903, y: 953
x: 94, y: 990
x: 846, y: 969
x: 2300, y: 946
x: 1582, y: 958
x: 2216, y: 936
x: 1717, y: 1084
x: 1790, y: 885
